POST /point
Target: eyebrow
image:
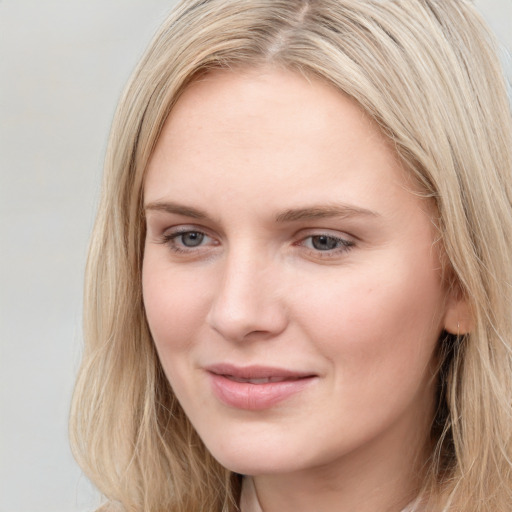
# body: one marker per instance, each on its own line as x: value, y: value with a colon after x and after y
x: 290, y: 215
x: 323, y: 212
x: 176, y: 208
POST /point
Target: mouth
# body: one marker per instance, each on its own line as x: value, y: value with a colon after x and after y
x: 256, y: 387
x: 257, y: 374
x: 264, y: 380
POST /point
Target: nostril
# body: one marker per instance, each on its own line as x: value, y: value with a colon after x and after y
x: 244, y: 322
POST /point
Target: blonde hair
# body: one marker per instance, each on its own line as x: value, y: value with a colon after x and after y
x: 426, y: 71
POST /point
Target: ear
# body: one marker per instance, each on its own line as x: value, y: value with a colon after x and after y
x: 458, y: 318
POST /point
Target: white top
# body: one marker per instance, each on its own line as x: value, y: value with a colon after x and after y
x: 249, y: 500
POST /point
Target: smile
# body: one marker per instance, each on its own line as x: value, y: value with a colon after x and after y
x: 256, y: 388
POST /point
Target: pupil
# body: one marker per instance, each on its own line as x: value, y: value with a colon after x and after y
x: 324, y: 243
x: 192, y: 239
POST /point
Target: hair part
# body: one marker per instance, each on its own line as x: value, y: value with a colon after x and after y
x: 426, y: 71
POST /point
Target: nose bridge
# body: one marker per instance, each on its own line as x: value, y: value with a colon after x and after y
x: 246, y: 301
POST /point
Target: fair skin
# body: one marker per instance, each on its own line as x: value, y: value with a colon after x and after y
x: 285, y: 240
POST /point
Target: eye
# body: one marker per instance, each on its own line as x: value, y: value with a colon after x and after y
x: 326, y: 243
x: 190, y: 238
x: 186, y: 240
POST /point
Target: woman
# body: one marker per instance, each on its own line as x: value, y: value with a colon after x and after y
x: 300, y: 270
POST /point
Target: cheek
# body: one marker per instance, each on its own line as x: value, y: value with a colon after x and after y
x: 173, y: 304
x: 387, y: 320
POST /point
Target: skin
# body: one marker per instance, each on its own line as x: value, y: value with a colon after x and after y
x: 238, y: 154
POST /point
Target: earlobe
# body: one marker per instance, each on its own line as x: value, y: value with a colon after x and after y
x: 458, y: 317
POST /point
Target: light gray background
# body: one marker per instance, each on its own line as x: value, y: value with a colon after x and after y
x: 63, y: 64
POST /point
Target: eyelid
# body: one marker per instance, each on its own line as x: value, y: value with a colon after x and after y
x: 160, y: 222
x: 333, y: 233
x: 186, y: 228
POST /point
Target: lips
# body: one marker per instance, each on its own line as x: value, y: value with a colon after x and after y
x: 256, y: 372
x: 264, y: 380
x: 256, y: 387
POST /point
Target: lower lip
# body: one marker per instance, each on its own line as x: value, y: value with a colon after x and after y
x: 255, y: 397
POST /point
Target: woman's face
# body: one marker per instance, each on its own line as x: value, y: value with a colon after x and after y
x: 291, y: 277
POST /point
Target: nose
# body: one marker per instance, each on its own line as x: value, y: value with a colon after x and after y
x: 247, y: 303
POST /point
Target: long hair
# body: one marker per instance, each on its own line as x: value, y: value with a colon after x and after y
x: 426, y: 71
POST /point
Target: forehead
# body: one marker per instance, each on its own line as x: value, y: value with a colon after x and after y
x: 251, y: 97
x: 266, y: 129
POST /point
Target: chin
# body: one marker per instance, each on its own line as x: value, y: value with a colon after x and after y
x: 254, y: 458
x: 258, y: 457
x: 256, y: 464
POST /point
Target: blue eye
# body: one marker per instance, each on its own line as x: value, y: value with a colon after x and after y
x: 187, y: 240
x: 326, y: 244
x: 190, y: 238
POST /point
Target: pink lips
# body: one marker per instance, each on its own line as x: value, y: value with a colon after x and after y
x: 255, y: 387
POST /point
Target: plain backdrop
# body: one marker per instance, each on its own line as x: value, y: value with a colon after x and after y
x: 63, y: 64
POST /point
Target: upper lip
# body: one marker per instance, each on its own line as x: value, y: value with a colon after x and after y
x: 256, y: 372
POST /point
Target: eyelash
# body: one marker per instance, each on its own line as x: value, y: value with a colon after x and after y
x: 342, y: 245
